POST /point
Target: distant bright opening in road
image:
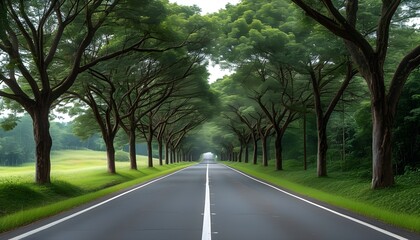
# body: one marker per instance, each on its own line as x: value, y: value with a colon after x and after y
x: 209, y: 157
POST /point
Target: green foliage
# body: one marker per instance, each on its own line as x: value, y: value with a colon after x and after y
x: 406, y: 135
x: 360, y: 144
x: 10, y: 122
x: 121, y: 156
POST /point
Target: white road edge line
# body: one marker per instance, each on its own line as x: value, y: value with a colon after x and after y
x: 325, y: 208
x: 27, y: 234
x: 206, y: 234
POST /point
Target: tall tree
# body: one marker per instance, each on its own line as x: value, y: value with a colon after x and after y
x: 278, y: 95
x: 321, y: 80
x: 45, y: 45
x: 146, y: 88
x: 148, y: 84
x: 261, y: 44
x: 238, y: 108
x: 370, y: 57
x: 100, y: 95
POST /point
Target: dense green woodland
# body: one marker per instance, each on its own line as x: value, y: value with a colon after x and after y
x: 320, y: 83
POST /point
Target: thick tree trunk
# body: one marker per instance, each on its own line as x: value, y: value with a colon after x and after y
x: 43, y: 144
x: 382, y: 173
x: 110, y: 154
x: 279, y: 149
x: 132, y: 150
x: 322, y: 149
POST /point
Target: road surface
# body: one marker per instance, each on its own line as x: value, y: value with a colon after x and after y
x: 206, y: 201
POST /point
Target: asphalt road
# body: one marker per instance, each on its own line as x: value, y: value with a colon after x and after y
x: 238, y: 208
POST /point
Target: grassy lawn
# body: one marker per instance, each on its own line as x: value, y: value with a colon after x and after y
x: 398, y: 205
x: 78, y: 176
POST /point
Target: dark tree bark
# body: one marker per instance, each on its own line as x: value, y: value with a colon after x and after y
x: 255, y: 150
x: 305, y: 162
x: 43, y: 143
x: 322, y: 148
x: 264, y: 150
x: 149, y: 153
x: 247, y: 153
x: 240, y: 152
x: 160, y: 150
x: 108, y: 136
x: 110, y: 154
x: 279, y: 150
x: 132, y: 149
x: 167, y: 156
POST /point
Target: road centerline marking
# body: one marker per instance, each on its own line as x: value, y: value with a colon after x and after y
x: 206, y: 234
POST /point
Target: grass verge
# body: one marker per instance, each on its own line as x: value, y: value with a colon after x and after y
x: 398, y: 205
x: 75, y: 181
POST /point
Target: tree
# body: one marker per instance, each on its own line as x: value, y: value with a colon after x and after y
x: 278, y: 95
x: 99, y: 94
x: 46, y: 45
x: 263, y: 47
x: 147, y: 85
x: 370, y: 58
x: 191, y: 113
x: 145, y: 91
x: 320, y: 82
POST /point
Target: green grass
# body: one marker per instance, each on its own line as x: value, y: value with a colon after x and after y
x: 77, y: 178
x: 398, y: 205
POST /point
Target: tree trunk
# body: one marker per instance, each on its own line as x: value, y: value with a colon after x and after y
x: 173, y: 160
x: 264, y: 151
x: 279, y: 149
x: 255, y: 152
x: 305, y: 162
x: 160, y: 147
x: 150, y: 153
x: 110, y: 154
x: 322, y: 148
x: 240, y: 153
x: 132, y: 149
x: 43, y: 144
x: 382, y: 173
x: 247, y: 153
x: 167, y: 157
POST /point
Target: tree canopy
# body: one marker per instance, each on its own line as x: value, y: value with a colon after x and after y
x: 322, y: 79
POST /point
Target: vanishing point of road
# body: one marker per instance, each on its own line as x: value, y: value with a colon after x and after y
x: 207, y: 201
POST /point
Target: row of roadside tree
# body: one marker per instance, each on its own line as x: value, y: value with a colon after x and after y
x: 290, y: 67
x: 133, y: 65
